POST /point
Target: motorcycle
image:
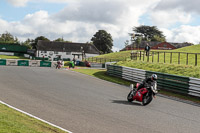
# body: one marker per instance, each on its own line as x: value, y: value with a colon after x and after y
x: 144, y: 95
x: 58, y: 65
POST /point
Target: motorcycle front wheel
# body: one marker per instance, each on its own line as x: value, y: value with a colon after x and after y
x: 146, y: 99
x: 130, y: 96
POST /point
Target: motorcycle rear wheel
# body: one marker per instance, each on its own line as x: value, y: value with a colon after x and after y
x: 130, y: 96
x: 146, y: 99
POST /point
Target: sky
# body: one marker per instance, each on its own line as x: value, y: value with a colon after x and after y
x: 79, y: 20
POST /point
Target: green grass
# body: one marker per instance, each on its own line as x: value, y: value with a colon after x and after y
x: 99, y: 73
x: 11, y: 57
x: 167, y: 59
x: 189, y: 49
x: 181, y: 70
x: 125, y: 55
x: 12, y: 121
x: 102, y: 75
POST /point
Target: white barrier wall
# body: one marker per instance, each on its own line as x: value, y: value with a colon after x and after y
x: 6, y: 53
x: 11, y: 62
x: 34, y: 63
x: 53, y: 63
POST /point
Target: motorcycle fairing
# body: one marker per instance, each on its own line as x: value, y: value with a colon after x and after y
x: 139, y: 94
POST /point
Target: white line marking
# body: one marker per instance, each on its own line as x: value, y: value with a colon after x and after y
x: 35, y: 117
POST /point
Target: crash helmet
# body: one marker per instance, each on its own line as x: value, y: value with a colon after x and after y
x: 154, y: 77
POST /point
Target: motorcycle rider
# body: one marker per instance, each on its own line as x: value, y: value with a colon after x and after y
x: 59, y: 63
x: 148, y: 81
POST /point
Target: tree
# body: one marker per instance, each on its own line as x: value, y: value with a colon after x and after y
x: 28, y: 43
x: 158, y: 38
x: 126, y: 43
x: 148, y: 33
x: 59, y: 40
x: 103, y: 41
x: 8, y: 38
x: 62, y: 40
x: 34, y: 44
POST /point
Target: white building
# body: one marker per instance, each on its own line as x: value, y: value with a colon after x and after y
x: 64, y: 50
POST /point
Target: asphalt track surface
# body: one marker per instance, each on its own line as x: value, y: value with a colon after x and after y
x: 84, y: 104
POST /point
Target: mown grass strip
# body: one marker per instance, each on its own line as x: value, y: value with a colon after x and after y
x: 12, y: 121
x: 12, y: 57
x: 125, y: 55
x: 181, y: 70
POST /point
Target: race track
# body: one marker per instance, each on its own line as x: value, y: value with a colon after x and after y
x: 84, y: 104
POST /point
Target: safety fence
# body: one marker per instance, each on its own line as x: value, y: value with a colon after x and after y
x: 104, y: 60
x: 167, y: 57
x: 31, y: 63
x: 180, y: 84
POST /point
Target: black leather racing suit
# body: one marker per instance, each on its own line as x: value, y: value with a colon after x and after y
x: 145, y: 82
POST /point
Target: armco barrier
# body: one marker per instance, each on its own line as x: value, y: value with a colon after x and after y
x: 11, y: 62
x: 184, y: 85
x: 31, y: 63
x: 34, y: 63
x: 45, y: 64
x: 194, y: 87
x: 2, y: 62
x: 23, y: 63
x: 54, y: 64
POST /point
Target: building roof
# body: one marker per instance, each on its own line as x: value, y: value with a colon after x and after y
x: 66, y: 47
x: 151, y: 44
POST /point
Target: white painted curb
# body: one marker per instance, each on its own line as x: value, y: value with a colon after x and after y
x: 35, y: 117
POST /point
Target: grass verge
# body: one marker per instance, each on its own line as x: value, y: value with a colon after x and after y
x: 181, y: 70
x: 11, y: 57
x: 102, y: 75
x: 12, y: 121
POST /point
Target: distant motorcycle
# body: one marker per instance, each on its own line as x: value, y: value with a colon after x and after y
x: 144, y: 95
x: 59, y: 65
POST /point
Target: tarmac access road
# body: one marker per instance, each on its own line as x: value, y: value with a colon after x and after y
x: 84, y: 104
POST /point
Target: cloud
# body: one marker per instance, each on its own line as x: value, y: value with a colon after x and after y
x: 81, y: 19
x: 184, y: 5
x: 170, y: 18
x: 41, y: 23
x: 117, y: 17
x: 115, y: 49
x: 22, y: 3
x: 184, y: 33
x: 18, y: 3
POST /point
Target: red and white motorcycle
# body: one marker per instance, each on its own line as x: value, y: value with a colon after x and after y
x: 144, y: 95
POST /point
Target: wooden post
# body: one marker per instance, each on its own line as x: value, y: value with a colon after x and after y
x: 164, y: 57
x: 152, y: 56
x: 143, y: 56
x: 179, y: 58
x: 187, y: 59
x: 195, y: 59
x: 158, y: 56
x: 171, y: 58
x: 140, y: 55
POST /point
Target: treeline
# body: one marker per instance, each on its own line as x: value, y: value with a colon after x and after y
x: 7, y: 38
x: 101, y: 39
